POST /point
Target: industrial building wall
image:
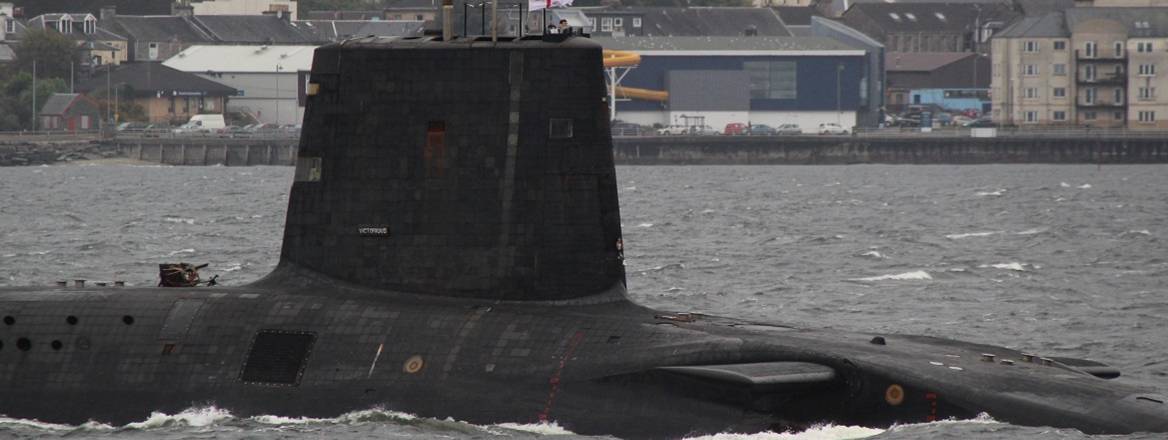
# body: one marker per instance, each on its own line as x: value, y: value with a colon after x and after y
x: 817, y: 78
x: 270, y: 97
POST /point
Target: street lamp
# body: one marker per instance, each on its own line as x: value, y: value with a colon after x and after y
x: 839, y: 68
x: 279, y: 68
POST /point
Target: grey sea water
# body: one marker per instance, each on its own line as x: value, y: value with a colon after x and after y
x: 1059, y: 260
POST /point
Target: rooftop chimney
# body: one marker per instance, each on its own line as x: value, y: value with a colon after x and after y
x: 108, y: 12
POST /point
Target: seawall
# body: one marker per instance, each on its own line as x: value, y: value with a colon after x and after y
x: 825, y: 150
x: 652, y: 150
x: 208, y: 150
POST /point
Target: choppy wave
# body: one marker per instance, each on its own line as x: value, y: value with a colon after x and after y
x: 971, y: 234
x: 821, y: 432
x: 907, y: 276
x: 1015, y: 266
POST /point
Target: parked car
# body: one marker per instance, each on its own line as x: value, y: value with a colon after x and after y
x: 789, y: 129
x: 132, y: 127
x: 704, y: 130
x: 234, y: 131
x: 626, y: 129
x: 673, y: 130
x: 831, y: 128
x: 735, y: 129
x: 760, y: 130
x: 981, y: 123
x: 264, y: 129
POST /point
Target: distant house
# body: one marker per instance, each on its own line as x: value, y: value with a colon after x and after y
x: 69, y: 111
x: 166, y: 94
x: 837, y: 8
x: 931, y: 27
x: 97, y: 45
x: 684, y: 22
x: 159, y: 37
x: 418, y: 10
x: 337, y: 30
x: 954, y: 80
x: 244, y: 7
x: 270, y: 79
x: 797, y: 19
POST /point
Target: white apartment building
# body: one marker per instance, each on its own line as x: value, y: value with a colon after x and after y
x: 244, y: 7
x: 1086, y: 67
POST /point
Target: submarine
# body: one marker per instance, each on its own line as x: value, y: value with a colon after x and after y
x: 453, y: 248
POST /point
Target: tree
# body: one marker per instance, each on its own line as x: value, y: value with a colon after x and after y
x: 16, y: 111
x: 52, y: 52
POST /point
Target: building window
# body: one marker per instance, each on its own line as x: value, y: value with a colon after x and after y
x: 1059, y: 92
x: 1031, y: 46
x: 606, y: 24
x: 636, y: 22
x: 1090, y: 49
x: 90, y: 26
x: 1059, y: 69
x: 1089, y: 72
x: 1118, y: 116
x: 618, y: 22
x: 1147, y: 93
x: 64, y: 25
x: 1030, y: 70
x: 592, y: 23
x: 771, y: 79
x: 1118, y: 49
x: 1031, y: 93
x: 1147, y: 70
x: 1089, y: 116
x: 1089, y: 96
x: 1060, y: 45
x: 1117, y: 96
x: 1144, y: 47
x: 1148, y: 116
x: 419, y: 17
x: 1059, y: 116
x: 153, y: 52
x: 1031, y: 117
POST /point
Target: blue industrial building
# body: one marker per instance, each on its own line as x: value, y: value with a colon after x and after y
x: 718, y: 80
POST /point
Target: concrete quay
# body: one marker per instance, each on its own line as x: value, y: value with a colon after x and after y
x: 828, y: 150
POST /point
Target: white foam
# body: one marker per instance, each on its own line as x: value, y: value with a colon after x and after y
x: 1139, y: 232
x: 547, y: 428
x: 907, y: 276
x: 1085, y: 186
x: 990, y: 193
x: 872, y: 254
x: 1007, y: 266
x: 189, y: 221
x: 233, y: 267
x: 819, y: 432
x: 189, y: 417
x: 971, y: 234
x: 1064, y: 184
x: 1030, y: 231
x: 281, y: 420
x: 645, y: 225
x: 181, y: 251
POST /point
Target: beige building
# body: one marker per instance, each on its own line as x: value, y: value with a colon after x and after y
x: 244, y: 7
x: 1086, y: 67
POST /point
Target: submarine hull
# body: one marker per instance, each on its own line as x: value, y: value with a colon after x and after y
x: 600, y: 368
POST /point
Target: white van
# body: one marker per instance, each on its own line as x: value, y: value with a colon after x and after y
x: 203, y: 124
